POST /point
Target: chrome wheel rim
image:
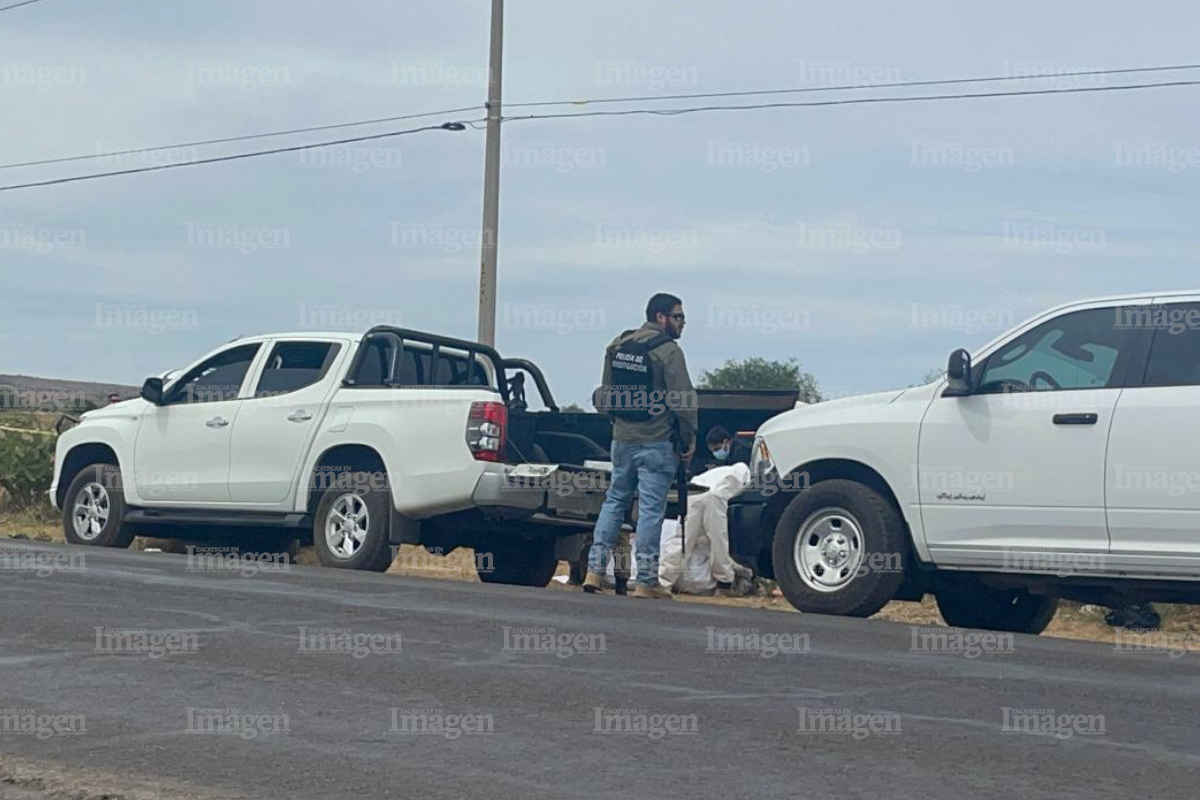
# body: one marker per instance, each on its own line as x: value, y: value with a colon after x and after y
x: 91, y: 511
x: 829, y: 550
x: 346, y: 525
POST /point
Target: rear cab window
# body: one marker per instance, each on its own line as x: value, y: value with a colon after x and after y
x: 387, y: 362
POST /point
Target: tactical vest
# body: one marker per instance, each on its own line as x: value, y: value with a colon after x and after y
x: 631, y: 393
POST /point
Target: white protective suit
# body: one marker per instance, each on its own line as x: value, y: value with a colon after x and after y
x: 707, y: 534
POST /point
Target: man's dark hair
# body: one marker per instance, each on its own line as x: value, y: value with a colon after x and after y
x: 716, y: 435
x: 661, y: 303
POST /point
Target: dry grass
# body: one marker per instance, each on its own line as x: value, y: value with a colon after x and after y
x: 28, y: 420
x: 37, y: 525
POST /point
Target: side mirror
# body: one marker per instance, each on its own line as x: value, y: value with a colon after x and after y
x: 152, y: 391
x: 958, y: 370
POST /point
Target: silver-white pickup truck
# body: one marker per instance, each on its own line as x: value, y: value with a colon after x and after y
x: 360, y: 442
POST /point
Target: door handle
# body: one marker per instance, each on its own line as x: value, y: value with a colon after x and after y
x: 299, y: 416
x: 1076, y: 419
x: 217, y: 422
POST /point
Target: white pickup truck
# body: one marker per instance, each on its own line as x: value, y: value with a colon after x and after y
x: 361, y: 442
x: 1060, y: 460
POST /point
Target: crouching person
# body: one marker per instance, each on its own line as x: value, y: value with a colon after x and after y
x: 705, y: 565
x: 649, y: 396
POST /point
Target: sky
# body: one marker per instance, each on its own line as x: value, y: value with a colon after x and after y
x: 866, y: 241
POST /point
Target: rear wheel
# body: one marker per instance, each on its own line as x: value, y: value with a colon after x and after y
x: 966, y: 602
x: 519, y: 562
x: 840, y: 548
x: 350, y: 530
x: 94, y: 507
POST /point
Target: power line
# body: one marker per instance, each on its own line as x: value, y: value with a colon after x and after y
x: 380, y: 120
x: 446, y: 126
x: 847, y: 87
x: 670, y: 112
x: 246, y: 137
x: 458, y: 126
x: 18, y: 5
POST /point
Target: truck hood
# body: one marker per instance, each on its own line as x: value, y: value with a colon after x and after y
x: 807, y: 414
x: 125, y: 408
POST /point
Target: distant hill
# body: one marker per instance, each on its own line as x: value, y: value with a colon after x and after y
x: 27, y: 393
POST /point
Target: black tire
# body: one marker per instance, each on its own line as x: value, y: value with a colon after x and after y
x: 518, y: 562
x: 965, y: 602
x: 374, y: 552
x: 98, y: 487
x: 882, y: 544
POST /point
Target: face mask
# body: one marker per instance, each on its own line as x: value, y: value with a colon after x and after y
x: 722, y: 454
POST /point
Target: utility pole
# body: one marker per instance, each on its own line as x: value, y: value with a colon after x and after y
x: 491, y: 183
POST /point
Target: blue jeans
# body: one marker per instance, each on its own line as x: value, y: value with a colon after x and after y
x: 648, y: 470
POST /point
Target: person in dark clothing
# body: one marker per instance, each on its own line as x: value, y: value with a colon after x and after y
x: 647, y: 391
x: 725, y: 448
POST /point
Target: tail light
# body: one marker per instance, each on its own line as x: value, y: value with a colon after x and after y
x: 487, y: 427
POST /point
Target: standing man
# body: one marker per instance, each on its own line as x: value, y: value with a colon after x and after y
x: 649, y: 396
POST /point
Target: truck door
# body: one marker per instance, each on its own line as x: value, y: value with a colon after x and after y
x: 182, y: 450
x: 277, y: 424
x: 1015, y: 470
x: 1153, y: 471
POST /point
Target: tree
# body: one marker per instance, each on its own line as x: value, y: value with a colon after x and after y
x: 760, y: 373
x: 573, y: 408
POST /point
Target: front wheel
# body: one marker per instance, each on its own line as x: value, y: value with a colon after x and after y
x: 94, y: 507
x: 350, y: 530
x: 966, y: 602
x: 840, y: 548
x: 521, y: 562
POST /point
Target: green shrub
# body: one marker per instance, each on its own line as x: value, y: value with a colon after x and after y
x: 26, y: 468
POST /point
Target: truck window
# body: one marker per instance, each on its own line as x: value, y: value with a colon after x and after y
x: 1175, y: 354
x: 219, y: 378
x: 294, y: 365
x: 376, y: 365
x: 1079, y: 350
x: 383, y: 365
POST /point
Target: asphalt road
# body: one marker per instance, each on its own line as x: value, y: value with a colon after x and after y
x: 440, y: 689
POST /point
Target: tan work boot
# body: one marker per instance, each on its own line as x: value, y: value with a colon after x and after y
x: 655, y: 592
x: 592, y: 582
